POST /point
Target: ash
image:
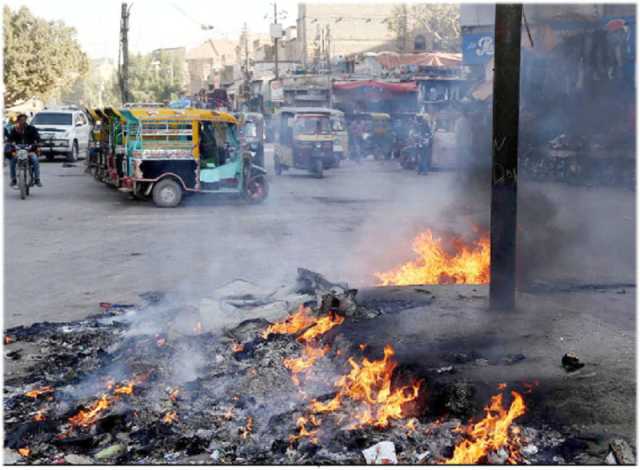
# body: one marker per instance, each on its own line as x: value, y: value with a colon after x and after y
x: 206, y: 387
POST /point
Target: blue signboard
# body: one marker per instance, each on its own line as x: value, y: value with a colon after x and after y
x: 477, y: 48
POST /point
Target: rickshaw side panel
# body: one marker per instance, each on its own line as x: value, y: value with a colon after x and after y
x: 185, y: 170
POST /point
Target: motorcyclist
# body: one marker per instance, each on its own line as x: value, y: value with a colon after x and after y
x: 25, y: 134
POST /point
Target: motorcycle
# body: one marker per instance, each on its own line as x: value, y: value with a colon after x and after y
x: 24, y: 171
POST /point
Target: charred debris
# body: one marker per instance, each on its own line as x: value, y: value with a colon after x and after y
x: 159, y: 382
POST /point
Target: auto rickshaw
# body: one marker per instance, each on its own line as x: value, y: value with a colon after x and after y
x: 173, y: 151
x: 110, y: 163
x: 341, y: 141
x: 95, y: 139
x: 376, y: 137
x: 304, y: 140
x: 252, y: 134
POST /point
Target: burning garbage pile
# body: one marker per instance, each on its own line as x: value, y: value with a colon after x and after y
x: 159, y: 383
x: 439, y: 261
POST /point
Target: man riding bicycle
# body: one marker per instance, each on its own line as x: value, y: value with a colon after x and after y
x: 24, y: 134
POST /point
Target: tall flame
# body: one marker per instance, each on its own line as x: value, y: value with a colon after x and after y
x: 369, y: 385
x: 322, y: 325
x: 90, y: 416
x: 292, y: 324
x: 312, y: 351
x: 491, y: 433
x: 309, y: 357
x: 469, y: 264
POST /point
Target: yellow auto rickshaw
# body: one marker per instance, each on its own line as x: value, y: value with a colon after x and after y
x: 377, y: 135
x: 304, y: 140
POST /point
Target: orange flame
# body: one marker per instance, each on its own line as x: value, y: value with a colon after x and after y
x: 309, y: 357
x: 39, y: 391
x: 292, y: 324
x: 491, y: 433
x: 39, y: 416
x: 411, y: 424
x: 312, y: 352
x: 170, y: 417
x: 237, y: 347
x: 369, y: 385
x: 8, y: 339
x: 173, y: 394
x: 322, y: 325
x: 124, y: 389
x: 90, y: 416
x: 469, y: 264
x: 304, y: 432
x: 24, y: 451
x: 198, y: 329
x: 247, y: 429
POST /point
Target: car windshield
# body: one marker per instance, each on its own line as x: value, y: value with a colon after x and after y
x: 55, y: 119
x: 312, y: 125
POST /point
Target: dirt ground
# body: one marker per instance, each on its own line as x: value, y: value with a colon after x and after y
x: 430, y: 325
x: 77, y: 242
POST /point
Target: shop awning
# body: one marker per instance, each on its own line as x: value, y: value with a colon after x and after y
x: 374, y: 85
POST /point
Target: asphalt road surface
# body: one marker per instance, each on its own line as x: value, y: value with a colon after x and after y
x: 77, y: 242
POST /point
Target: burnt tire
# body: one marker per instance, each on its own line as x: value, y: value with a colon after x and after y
x: 257, y: 189
x: 167, y: 193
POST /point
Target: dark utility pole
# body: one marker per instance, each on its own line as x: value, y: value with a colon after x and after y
x: 504, y: 181
x: 275, y: 39
x: 124, y: 52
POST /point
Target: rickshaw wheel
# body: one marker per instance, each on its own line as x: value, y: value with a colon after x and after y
x: 317, y: 168
x: 257, y: 189
x: 167, y: 193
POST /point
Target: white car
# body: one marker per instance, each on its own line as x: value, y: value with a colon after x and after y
x: 63, y: 131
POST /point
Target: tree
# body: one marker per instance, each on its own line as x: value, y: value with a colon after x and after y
x: 41, y: 57
x: 439, y: 23
x: 96, y: 89
x: 156, y: 77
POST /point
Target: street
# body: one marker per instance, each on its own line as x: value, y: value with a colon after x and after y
x: 77, y: 242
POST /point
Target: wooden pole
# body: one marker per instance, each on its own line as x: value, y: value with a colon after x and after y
x: 504, y: 182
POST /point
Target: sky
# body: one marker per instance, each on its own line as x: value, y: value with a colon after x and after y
x: 157, y: 23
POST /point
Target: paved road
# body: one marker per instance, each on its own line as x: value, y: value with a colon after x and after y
x: 77, y: 242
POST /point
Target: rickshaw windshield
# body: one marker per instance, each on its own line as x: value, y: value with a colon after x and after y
x: 312, y: 125
x: 336, y: 125
x: 250, y: 129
